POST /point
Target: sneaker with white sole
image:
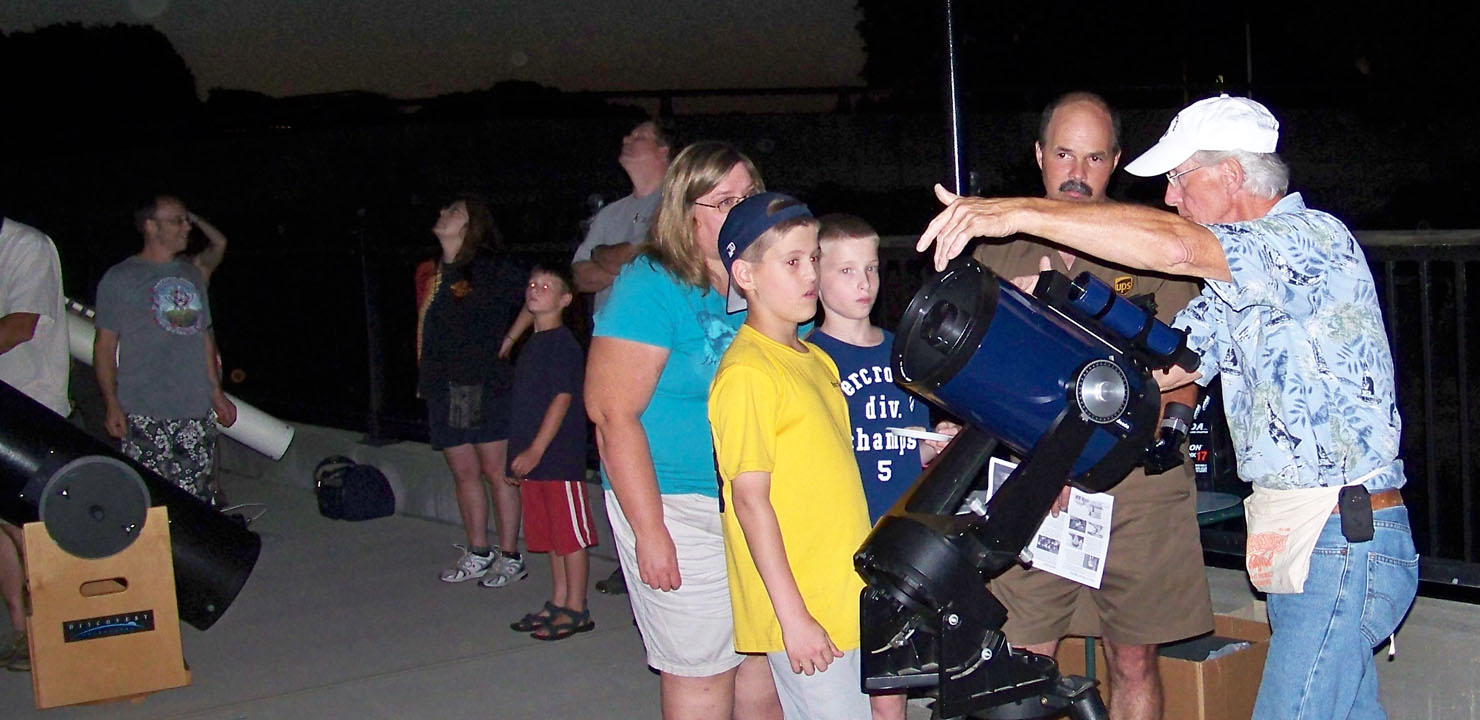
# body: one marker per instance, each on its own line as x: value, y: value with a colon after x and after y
x: 469, y: 566
x: 505, y: 571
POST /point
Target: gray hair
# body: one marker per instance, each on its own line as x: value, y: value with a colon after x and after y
x: 1265, y: 174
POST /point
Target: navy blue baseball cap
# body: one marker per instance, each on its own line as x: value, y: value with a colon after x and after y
x: 747, y: 221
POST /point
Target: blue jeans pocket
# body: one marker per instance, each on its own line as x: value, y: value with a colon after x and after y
x: 1392, y: 584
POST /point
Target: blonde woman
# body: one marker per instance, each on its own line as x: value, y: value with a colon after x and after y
x: 656, y: 346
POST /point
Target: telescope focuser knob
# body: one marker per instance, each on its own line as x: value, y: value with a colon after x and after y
x: 1166, y: 452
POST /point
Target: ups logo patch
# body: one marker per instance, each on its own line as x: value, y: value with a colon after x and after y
x: 1124, y: 285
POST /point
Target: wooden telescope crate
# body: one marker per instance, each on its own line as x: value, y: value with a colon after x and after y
x: 104, y: 628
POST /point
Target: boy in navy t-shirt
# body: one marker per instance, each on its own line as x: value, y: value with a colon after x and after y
x: 848, y: 279
x: 547, y: 447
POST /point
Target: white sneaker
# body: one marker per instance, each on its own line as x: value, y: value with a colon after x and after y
x: 505, y: 571
x: 469, y: 566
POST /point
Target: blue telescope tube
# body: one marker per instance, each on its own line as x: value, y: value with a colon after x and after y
x: 1001, y: 360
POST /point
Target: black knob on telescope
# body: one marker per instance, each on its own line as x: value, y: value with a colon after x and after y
x: 1166, y: 452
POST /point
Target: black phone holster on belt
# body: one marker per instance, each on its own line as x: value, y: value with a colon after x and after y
x: 1355, y: 504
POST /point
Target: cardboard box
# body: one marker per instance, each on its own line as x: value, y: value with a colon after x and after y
x: 1220, y: 689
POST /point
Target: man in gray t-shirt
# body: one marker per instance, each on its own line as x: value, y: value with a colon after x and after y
x: 620, y: 227
x: 155, y: 356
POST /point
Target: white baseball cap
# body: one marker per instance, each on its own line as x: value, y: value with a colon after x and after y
x: 1221, y: 123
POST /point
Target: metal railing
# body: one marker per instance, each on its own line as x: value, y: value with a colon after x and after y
x: 1424, y: 280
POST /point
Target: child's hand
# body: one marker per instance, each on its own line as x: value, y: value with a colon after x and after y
x: 944, y: 427
x: 1061, y: 503
x: 525, y: 462
x: 808, y: 646
x: 930, y: 448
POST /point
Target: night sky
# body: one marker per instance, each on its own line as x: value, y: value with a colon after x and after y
x: 419, y: 49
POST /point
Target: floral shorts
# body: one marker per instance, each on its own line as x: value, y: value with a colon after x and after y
x: 182, y: 451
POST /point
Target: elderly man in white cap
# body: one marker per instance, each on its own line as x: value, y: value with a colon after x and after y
x: 1289, y: 318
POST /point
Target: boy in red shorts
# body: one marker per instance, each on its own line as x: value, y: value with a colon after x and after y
x: 547, y: 444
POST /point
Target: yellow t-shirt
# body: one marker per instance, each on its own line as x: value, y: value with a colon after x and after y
x: 774, y: 409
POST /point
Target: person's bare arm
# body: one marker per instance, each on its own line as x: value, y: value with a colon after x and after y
x: 105, y: 366
x: 606, y: 262
x: 1124, y: 234
x: 589, y: 277
x: 1175, y: 378
x: 16, y: 328
x: 621, y: 376
x: 1185, y: 394
x: 210, y: 258
x: 611, y: 258
x: 522, y: 322
x: 224, y: 407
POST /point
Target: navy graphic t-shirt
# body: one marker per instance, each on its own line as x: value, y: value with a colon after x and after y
x: 550, y: 364
x: 887, y: 463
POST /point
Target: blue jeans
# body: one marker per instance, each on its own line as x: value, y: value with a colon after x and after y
x: 1320, y: 654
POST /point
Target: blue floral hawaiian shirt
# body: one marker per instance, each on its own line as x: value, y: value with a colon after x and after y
x: 1300, y: 343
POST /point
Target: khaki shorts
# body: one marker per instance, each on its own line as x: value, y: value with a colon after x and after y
x: 1155, y: 588
x: 689, y: 632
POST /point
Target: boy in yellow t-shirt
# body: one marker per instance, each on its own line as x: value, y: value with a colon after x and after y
x: 793, y: 506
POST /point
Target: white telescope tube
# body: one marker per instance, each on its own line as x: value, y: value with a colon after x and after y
x: 253, y: 428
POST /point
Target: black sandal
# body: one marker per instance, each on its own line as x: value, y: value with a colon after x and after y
x: 563, y: 623
x: 535, y: 620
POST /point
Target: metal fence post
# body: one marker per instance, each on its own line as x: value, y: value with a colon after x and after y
x: 374, y: 344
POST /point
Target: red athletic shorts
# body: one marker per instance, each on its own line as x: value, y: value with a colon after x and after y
x: 557, y: 517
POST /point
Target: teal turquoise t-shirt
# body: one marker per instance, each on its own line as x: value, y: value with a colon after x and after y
x: 650, y: 306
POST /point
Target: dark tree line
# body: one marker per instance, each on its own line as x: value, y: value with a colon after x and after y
x: 70, y: 85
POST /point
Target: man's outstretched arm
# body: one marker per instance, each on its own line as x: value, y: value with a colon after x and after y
x: 1123, y: 234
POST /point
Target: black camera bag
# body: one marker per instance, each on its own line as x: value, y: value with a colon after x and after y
x: 348, y: 490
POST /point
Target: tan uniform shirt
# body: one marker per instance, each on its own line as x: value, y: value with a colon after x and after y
x: 1155, y: 588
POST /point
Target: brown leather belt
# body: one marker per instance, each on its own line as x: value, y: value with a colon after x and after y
x: 1381, y: 500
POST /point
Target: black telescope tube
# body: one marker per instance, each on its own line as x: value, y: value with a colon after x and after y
x: 213, y: 556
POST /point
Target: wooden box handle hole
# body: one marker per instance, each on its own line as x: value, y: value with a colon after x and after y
x: 94, y: 588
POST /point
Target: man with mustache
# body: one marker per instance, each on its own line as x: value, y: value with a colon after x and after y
x: 1289, y: 319
x: 1154, y: 588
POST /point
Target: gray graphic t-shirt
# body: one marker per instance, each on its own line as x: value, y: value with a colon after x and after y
x: 160, y: 313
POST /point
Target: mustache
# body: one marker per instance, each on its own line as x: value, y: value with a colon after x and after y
x: 1078, y: 186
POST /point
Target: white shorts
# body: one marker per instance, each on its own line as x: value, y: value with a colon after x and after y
x: 689, y: 632
x: 833, y: 694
